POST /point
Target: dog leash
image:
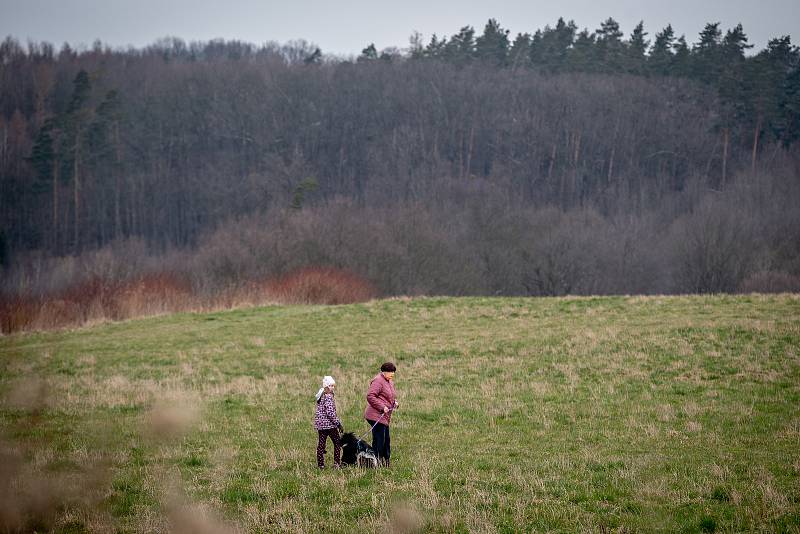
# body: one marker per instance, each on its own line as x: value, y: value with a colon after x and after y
x: 376, y: 424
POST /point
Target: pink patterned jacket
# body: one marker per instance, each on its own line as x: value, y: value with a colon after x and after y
x: 325, y: 418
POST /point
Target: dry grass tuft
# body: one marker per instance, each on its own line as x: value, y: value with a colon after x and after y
x: 693, y: 426
x: 29, y: 394
x: 404, y: 519
x: 172, y: 417
x: 33, y: 499
x: 192, y: 518
x: 27, y: 503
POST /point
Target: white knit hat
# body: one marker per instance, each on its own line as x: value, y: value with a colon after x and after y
x: 326, y: 381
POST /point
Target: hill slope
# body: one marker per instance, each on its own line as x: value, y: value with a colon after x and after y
x: 548, y: 414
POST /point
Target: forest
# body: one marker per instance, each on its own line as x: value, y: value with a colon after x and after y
x: 561, y: 161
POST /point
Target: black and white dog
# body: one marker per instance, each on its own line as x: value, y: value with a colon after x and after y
x: 357, y: 451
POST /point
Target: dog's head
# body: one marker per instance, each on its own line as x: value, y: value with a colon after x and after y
x: 348, y: 438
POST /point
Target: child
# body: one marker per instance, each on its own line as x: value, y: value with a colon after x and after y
x: 327, y: 423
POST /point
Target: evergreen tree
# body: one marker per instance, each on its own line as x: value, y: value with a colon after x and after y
x: 81, y: 89
x: 492, y: 46
x: 460, y: 49
x: 610, y: 46
x: 368, y: 53
x: 773, y: 83
x: 549, y: 47
x: 416, y: 50
x: 730, y: 82
x: 790, y: 105
x: 637, y: 49
x: 681, y: 61
x: 314, y: 58
x: 42, y: 157
x: 436, y: 47
x: 102, y: 128
x: 519, y: 53
x: 706, y: 54
x: 582, y: 53
x: 305, y: 187
x: 537, y: 48
x: 734, y: 45
x: 45, y: 159
x: 661, y: 55
x: 104, y: 143
x: 75, y: 131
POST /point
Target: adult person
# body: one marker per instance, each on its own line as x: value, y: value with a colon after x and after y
x: 381, y: 402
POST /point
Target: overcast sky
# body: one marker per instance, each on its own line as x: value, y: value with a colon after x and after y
x: 345, y: 27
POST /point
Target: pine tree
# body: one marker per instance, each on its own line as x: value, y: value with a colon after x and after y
x: 773, y: 89
x: 416, y: 50
x: 306, y: 186
x: 734, y: 45
x: 369, y: 53
x: 74, y: 126
x: 549, y: 47
x: 519, y: 53
x: 492, y: 46
x: 314, y: 58
x: 46, y: 160
x: 661, y: 57
x: 436, y: 47
x: 104, y: 145
x: 81, y: 89
x: 706, y: 54
x: 582, y: 54
x: 790, y: 105
x: 636, y: 50
x: 730, y: 80
x: 681, y: 62
x: 609, y: 46
x: 42, y: 156
x: 460, y: 49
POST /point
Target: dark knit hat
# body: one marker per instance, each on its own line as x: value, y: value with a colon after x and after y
x: 388, y: 367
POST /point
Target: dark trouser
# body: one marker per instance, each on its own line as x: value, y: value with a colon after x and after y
x: 380, y: 441
x: 337, y: 447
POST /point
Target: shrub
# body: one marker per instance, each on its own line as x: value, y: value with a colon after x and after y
x: 713, y: 249
x: 94, y: 300
x: 770, y: 282
x: 98, y: 299
x: 320, y: 285
x: 17, y: 312
x: 149, y: 295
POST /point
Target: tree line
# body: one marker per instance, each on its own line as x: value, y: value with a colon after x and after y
x: 168, y: 142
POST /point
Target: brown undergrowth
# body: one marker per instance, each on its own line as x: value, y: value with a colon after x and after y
x: 97, y: 300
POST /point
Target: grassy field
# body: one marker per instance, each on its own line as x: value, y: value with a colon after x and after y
x: 625, y: 414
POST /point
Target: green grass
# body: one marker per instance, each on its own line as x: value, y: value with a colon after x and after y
x: 677, y: 414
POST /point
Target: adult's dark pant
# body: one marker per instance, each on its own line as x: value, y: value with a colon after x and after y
x: 381, y: 441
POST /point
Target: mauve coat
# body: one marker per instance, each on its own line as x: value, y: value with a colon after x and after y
x: 380, y: 394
